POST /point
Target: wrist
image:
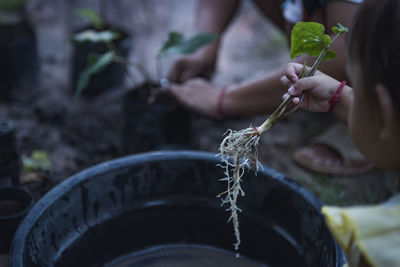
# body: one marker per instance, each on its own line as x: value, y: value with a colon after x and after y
x: 336, y: 97
x: 225, y: 102
x: 343, y: 106
x: 208, y: 52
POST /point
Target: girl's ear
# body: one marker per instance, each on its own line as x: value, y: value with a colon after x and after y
x: 387, y: 112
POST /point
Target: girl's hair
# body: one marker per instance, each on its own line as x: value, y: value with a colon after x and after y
x: 375, y: 45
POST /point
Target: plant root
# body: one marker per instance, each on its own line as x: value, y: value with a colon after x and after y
x: 242, y: 147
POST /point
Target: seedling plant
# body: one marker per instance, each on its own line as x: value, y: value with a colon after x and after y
x: 239, y: 149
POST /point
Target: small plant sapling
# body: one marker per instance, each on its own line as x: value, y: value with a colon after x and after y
x: 100, y: 45
x: 241, y: 146
x: 38, y: 161
x: 175, y: 44
x: 36, y: 167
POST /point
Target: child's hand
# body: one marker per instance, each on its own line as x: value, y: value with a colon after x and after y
x: 318, y: 89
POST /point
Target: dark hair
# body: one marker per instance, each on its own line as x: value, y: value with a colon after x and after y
x: 375, y: 44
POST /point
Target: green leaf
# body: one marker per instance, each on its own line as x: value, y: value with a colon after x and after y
x: 330, y: 54
x: 339, y: 29
x: 96, y: 67
x: 92, y: 58
x: 308, y: 38
x: 96, y: 37
x: 39, y: 161
x: 178, y: 44
x: 92, y: 16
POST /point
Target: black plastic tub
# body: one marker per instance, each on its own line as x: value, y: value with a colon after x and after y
x: 160, y: 208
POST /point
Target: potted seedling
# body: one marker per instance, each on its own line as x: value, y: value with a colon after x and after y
x: 18, y: 54
x: 163, y: 124
x: 239, y: 148
x: 92, y: 67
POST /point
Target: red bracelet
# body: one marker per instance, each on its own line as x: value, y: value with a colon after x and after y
x: 219, y: 103
x: 335, y: 98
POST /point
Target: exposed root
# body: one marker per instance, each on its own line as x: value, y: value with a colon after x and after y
x: 242, y: 147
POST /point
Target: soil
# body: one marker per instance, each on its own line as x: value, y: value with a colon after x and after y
x: 79, y: 133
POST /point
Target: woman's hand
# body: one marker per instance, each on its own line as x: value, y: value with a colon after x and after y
x: 199, y: 64
x: 318, y: 89
x: 197, y: 95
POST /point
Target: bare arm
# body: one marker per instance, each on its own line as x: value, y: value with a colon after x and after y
x: 213, y: 16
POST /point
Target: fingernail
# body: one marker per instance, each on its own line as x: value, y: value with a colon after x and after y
x: 291, y: 90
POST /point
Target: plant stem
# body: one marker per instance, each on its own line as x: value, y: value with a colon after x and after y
x: 119, y: 59
x: 279, y: 114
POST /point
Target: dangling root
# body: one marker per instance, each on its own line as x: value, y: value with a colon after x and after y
x: 242, y: 147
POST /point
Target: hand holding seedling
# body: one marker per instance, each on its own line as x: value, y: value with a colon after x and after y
x: 307, y: 38
x: 317, y: 89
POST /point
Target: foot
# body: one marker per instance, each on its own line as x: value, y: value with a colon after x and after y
x: 325, y: 159
x: 321, y: 154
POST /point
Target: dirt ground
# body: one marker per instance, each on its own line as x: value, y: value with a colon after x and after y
x: 80, y: 133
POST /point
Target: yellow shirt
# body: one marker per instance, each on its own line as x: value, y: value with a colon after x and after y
x: 373, y: 231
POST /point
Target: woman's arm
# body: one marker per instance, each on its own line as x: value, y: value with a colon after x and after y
x: 212, y: 17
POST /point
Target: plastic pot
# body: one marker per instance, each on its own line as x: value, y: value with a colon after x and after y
x: 111, y: 76
x: 149, y: 126
x: 9, y: 156
x: 14, y: 205
x: 19, y: 61
x: 133, y: 206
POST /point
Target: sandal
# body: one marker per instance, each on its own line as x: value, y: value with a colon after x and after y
x: 333, y: 152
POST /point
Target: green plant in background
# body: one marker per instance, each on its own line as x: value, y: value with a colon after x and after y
x: 38, y: 161
x: 99, y: 34
x: 95, y: 62
x: 92, y: 16
x: 175, y: 44
x: 178, y: 44
x: 307, y: 38
x: 11, y: 5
